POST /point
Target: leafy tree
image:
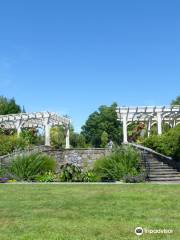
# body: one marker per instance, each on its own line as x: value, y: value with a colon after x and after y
x: 105, y: 119
x: 176, y: 101
x: 77, y: 140
x: 8, y: 106
x: 58, y: 137
x: 104, y: 139
x: 30, y: 135
x: 81, y: 141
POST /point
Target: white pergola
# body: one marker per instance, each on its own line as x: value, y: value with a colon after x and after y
x: 148, y: 115
x: 44, y: 120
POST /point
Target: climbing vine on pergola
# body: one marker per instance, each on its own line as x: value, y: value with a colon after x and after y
x: 45, y: 120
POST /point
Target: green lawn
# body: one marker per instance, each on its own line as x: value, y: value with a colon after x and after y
x: 74, y: 212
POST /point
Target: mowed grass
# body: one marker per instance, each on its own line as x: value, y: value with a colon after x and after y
x: 81, y: 212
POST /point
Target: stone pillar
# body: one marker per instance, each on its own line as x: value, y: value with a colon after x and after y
x: 124, y: 129
x: 18, y: 127
x: 67, y: 138
x: 18, y: 130
x: 159, y: 123
x: 149, y: 128
x: 47, y: 129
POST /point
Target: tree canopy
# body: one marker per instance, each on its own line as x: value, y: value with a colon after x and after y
x: 101, y: 122
x: 176, y: 101
x: 8, y: 106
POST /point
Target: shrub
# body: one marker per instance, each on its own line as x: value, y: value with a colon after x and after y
x: 10, y: 143
x: 89, y: 176
x: 30, y: 136
x: 117, y: 165
x: 70, y: 173
x: 47, y: 177
x: 167, y: 144
x: 29, y: 166
x: 135, y: 179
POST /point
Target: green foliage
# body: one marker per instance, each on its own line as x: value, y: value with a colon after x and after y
x: 123, y: 161
x: 78, y: 140
x: 89, y: 176
x: 8, y: 106
x: 10, y: 143
x: 29, y: 166
x: 58, y: 137
x: 81, y: 141
x: 167, y: 144
x: 104, y: 139
x: 70, y: 173
x: 47, y: 177
x: 176, y: 101
x: 105, y: 119
x: 29, y: 135
x: 2, y: 172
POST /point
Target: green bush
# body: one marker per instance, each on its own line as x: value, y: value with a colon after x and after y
x: 10, y: 143
x: 30, y: 136
x: 47, y: 177
x: 123, y: 161
x: 30, y: 166
x: 89, y: 176
x: 167, y: 144
x: 70, y: 173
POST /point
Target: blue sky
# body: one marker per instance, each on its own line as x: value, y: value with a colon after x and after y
x: 72, y: 56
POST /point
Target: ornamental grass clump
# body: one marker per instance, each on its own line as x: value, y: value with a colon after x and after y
x: 29, y: 166
x: 122, y: 162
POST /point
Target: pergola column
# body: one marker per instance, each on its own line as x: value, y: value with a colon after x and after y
x: 18, y: 127
x: 124, y: 128
x: 149, y: 128
x: 47, y: 129
x: 159, y: 123
x: 67, y: 138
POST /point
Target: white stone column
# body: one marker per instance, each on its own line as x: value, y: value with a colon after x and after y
x: 159, y: 123
x: 67, y: 138
x: 47, y: 129
x: 18, y: 128
x: 149, y: 128
x: 124, y: 129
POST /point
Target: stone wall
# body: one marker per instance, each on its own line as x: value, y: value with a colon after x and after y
x: 80, y: 157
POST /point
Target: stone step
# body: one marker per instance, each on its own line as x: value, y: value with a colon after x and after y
x: 164, y: 175
x: 158, y: 163
x: 160, y: 167
x: 160, y: 171
x: 165, y: 170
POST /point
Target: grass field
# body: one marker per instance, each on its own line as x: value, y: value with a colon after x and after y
x: 81, y: 212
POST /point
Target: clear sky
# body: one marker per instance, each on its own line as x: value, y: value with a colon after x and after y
x: 72, y: 56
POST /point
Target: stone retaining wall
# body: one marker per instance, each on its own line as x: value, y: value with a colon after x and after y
x: 80, y: 157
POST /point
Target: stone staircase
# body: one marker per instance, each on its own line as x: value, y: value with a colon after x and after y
x: 158, y: 171
x: 158, y: 166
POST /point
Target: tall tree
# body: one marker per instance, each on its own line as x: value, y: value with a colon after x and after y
x: 8, y: 106
x: 103, y: 120
x: 176, y: 101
